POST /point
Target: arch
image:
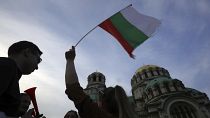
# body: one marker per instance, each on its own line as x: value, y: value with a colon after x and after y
x: 184, y: 102
x: 155, y: 72
x: 182, y: 110
x: 138, y: 75
x: 143, y: 76
x: 149, y: 74
x: 99, y: 79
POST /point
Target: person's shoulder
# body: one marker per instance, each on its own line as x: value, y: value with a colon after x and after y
x: 7, y: 62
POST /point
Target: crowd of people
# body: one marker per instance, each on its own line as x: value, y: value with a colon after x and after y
x: 23, y: 58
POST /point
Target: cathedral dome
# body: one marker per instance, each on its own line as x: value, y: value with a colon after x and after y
x: 148, y: 72
x: 146, y: 67
x: 96, y: 73
x: 96, y: 77
x: 157, y: 81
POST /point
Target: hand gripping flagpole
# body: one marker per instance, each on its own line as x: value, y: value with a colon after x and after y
x: 97, y: 26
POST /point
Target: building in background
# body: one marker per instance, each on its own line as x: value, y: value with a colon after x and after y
x: 95, y: 86
x: 156, y: 95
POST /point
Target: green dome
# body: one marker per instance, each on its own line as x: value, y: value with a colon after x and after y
x: 157, y: 81
x: 146, y: 67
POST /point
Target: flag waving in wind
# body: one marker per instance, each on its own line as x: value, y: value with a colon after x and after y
x: 130, y: 28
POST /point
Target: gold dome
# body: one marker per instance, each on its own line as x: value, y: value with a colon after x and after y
x: 146, y: 67
x: 148, y: 72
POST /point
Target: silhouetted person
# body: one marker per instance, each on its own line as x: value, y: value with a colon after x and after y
x: 23, y: 58
x: 71, y: 114
x: 115, y: 103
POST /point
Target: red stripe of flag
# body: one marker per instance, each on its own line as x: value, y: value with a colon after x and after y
x: 109, y: 27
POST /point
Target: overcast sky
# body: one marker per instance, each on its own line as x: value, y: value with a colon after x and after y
x: 181, y: 44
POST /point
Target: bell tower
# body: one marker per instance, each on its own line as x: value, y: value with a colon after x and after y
x: 96, y: 84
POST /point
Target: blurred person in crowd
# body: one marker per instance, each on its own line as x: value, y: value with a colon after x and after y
x: 71, y: 114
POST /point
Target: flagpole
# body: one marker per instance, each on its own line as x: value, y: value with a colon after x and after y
x: 85, y: 36
x: 125, y: 7
x: 97, y: 26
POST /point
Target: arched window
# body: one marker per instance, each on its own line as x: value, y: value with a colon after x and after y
x: 99, y: 79
x: 157, y: 87
x: 145, y: 73
x: 139, y: 75
x: 182, y: 110
x: 155, y: 72
x: 143, y: 76
x: 94, y: 78
x: 166, y: 84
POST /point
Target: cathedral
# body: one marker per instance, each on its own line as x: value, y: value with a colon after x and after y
x: 156, y: 95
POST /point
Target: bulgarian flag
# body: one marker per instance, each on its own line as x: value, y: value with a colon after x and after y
x: 130, y: 28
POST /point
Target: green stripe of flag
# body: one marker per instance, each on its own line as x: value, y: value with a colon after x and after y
x: 133, y: 35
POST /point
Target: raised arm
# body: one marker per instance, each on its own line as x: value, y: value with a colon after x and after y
x: 70, y: 75
x: 86, y: 107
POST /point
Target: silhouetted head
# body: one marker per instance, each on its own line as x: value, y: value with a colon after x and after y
x: 115, y: 101
x: 71, y: 114
x: 18, y: 47
x: 26, y: 54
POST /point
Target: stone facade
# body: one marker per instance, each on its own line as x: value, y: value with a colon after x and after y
x: 157, y: 95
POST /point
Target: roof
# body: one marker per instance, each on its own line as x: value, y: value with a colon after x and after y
x: 146, y: 67
x: 157, y: 81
